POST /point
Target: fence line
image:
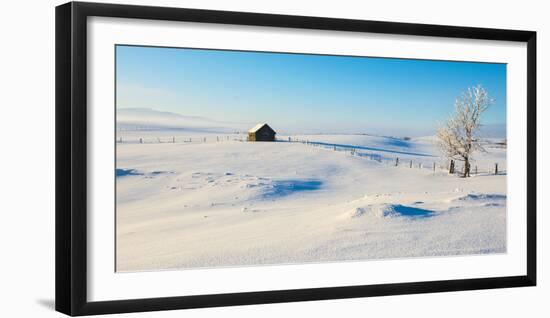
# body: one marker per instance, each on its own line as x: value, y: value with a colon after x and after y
x: 352, y: 150
x: 400, y: 161
x: 177, y: 139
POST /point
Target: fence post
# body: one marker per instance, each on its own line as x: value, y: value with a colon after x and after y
x: 452, y: 167
x: 173, y: 140
x: 496, y: 168
x: 411, y: 164
x: 396, y: 161
x: 476, y: 169
x: 140, y: 140
x: 434, y: 166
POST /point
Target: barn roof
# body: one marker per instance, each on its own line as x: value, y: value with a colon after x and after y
x: 257, y: 127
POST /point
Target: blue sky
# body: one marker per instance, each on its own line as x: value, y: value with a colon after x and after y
x: 298, y: 92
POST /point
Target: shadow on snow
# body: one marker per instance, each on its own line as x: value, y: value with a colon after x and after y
x: 281, y: 188
x: 127, y: 172
x: 409, y: 211
x: 326, y: 144
x: 398, y: 142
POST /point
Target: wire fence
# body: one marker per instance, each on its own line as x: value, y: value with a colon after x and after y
x: 177, y: 139
x: 431, y: 163
x: 407, y: 161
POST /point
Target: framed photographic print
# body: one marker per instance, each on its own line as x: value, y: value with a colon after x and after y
x: 210, y: 158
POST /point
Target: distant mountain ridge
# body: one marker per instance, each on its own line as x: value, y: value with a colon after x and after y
x: 151, y: 119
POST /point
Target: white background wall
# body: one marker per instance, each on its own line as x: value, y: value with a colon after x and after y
x: 27, y: 158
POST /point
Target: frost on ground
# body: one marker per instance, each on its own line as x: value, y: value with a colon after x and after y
x: 231, y: 203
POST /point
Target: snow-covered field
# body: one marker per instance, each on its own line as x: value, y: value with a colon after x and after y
x: 225, y: 202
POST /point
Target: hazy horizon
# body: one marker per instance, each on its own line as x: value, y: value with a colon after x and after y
x: 163, y: 120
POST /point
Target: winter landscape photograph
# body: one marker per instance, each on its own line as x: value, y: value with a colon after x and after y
x: 237, y: 158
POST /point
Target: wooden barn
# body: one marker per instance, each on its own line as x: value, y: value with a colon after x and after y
x: 261, y: 132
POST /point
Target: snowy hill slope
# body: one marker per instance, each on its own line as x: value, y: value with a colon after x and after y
x: 232, y: 203
x: 192, y: 193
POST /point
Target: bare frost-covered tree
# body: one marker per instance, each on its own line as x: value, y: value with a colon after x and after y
x: 458, y: 138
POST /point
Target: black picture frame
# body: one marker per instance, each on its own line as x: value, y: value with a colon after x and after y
x: 71, y: 158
